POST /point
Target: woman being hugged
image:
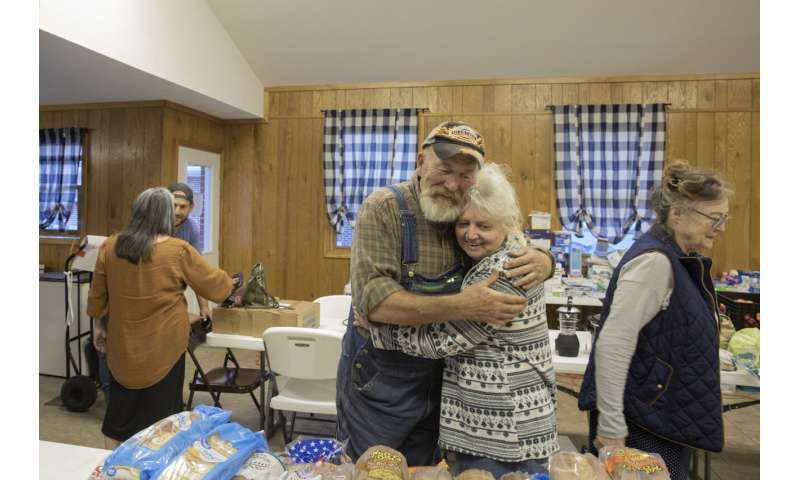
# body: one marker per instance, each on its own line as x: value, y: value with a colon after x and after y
x: 138, y: 282
x: 653, y: 381
x: 498, y: 410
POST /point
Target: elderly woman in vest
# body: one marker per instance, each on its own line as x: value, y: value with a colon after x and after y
x: 652, y: 381
x: 138, y: 282
x: 498, y: 410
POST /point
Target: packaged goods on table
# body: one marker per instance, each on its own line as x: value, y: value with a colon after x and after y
x: 154, y: 447
x: 576, y: 466
x: 624, y: 463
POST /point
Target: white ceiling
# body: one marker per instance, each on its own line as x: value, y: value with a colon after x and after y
x: 307, y: 42
x: 292, y: 42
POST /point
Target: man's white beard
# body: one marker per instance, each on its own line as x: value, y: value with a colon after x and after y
x: 438, y: 209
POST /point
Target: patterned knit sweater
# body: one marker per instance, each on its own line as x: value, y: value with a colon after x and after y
x: 499, y: 389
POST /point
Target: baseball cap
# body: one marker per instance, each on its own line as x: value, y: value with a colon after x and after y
x: 182, y: 190
x: 453, y: 138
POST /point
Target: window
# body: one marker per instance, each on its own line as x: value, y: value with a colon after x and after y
x: 344, y: 239
x: 362, y: 150
x: 198, y: 177
x: 61, y: 179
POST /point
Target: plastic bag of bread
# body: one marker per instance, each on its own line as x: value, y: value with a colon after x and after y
x: 576, y: 466
x: 261, y: 466
x: 154, y: 447
x: 475, y: 474
x: 217, y: 455
x: 439, y: 472
x: 382, y: 463
x: 624, y: 463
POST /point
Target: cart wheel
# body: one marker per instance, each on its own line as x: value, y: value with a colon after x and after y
x: 78, y: 393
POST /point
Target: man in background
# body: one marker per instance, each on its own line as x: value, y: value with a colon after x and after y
x: 187, y: 229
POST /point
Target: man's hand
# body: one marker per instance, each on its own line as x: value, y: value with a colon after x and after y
x: 529, y: 268
x: 600, y: 442
x: 194, y: 318
x: 482, y: 304
x: 205, y: 312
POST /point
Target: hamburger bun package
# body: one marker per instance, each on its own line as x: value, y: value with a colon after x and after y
x: 576, y: 466
x: 217, y: 455
x: 153, y: 448
x: 624, y: 463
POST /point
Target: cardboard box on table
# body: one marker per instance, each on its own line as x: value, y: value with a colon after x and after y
x: 253, y: 321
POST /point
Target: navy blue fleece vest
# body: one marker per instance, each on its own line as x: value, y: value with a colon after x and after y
x: 673, y: 385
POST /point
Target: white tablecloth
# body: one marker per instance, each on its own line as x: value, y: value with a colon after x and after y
x: 68, y: 462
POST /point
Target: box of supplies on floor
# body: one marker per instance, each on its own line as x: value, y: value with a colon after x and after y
x: 253, y: 321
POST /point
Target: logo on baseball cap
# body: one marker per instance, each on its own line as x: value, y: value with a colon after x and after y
x: 454, y: 138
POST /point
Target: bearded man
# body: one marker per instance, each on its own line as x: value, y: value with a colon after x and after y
x: 406, y: 269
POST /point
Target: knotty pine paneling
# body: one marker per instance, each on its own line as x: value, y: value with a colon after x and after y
x: 273, y: 196
x: 132, y: 147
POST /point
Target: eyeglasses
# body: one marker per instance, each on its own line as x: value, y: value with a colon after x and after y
x: 719, y: 220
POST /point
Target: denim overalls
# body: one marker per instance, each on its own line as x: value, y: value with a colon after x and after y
x: 386, y: 397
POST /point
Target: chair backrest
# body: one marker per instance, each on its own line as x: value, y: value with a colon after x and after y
x: 304, y: 353
x: 334, y: 306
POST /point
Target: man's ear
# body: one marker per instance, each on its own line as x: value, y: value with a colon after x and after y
x: 420, y: 160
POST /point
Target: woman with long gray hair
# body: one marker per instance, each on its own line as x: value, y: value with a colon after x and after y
x: 138, y: 283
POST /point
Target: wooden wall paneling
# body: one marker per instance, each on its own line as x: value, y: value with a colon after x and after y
x: 523, y: 98
x: 676, y: 136
x: 677, y: 94
x: 557, y: 94
x: 328, y: 101
x: 691, y: 94
x: 132, y: 163
x: 633, y: 92
x: 690, y: 149
x: 571, y: 94
x: 755, y: 192
x: 740, y: 94
x: 756, y: 94
x: 236, y: 219
x: 472, y: 99
x: 117, y: 204
x: 152, y: 148
x: 401, y: 98
x: 706, y: 94
x: 618, y: 93
x: 656, y: 92
x: 584, y: 93
x: 424, y: 97
x: 523, y: 160
x: 721, y: 94
x: 99, y: 152
x: 720, y: 164
x: 269, y: 174
x: 600, y: 93
x: 544, y: 197
x: 544, y: 97
x: 738, y: 174
x: 706, y: 145
x: 496, y: 131
x: 444, y: 100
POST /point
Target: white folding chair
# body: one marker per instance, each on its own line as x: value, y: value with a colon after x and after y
x: 333, y: 312
x: 304, y: 361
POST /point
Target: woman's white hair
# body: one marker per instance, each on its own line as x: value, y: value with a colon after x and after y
x: 494, y: 195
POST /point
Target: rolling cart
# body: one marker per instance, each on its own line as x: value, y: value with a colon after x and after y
x: 79, y: 391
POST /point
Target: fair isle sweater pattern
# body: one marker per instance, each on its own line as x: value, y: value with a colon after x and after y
x: 499, y: 388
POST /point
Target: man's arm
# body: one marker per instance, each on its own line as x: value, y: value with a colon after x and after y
x: 531, y: 267
x: 477, y: 303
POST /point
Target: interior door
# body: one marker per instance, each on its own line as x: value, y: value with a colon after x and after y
x: 200, y: 169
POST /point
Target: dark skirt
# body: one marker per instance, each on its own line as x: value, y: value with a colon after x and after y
x: 130, y: 411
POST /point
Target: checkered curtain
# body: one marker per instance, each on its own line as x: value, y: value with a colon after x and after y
x: 608, y: 157
x: 60, y: 163
x: 364, y: 150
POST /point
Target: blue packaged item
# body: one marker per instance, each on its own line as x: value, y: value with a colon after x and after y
x: 310, y: 450
x: 217, y: 455
x: 153, y: 448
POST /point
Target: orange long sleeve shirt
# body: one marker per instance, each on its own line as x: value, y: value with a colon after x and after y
x: 148, y: 327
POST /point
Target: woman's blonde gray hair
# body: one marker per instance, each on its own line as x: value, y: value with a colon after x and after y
x: 153, y: 215
x: 494, y: 195
x: 682, y: 186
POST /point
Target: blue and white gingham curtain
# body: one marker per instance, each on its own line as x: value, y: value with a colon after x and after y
x: 608, y: 157
x: 365, y: 150
x: 60, y: 164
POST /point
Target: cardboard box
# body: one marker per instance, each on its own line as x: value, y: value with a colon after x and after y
x: 253, y: 321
